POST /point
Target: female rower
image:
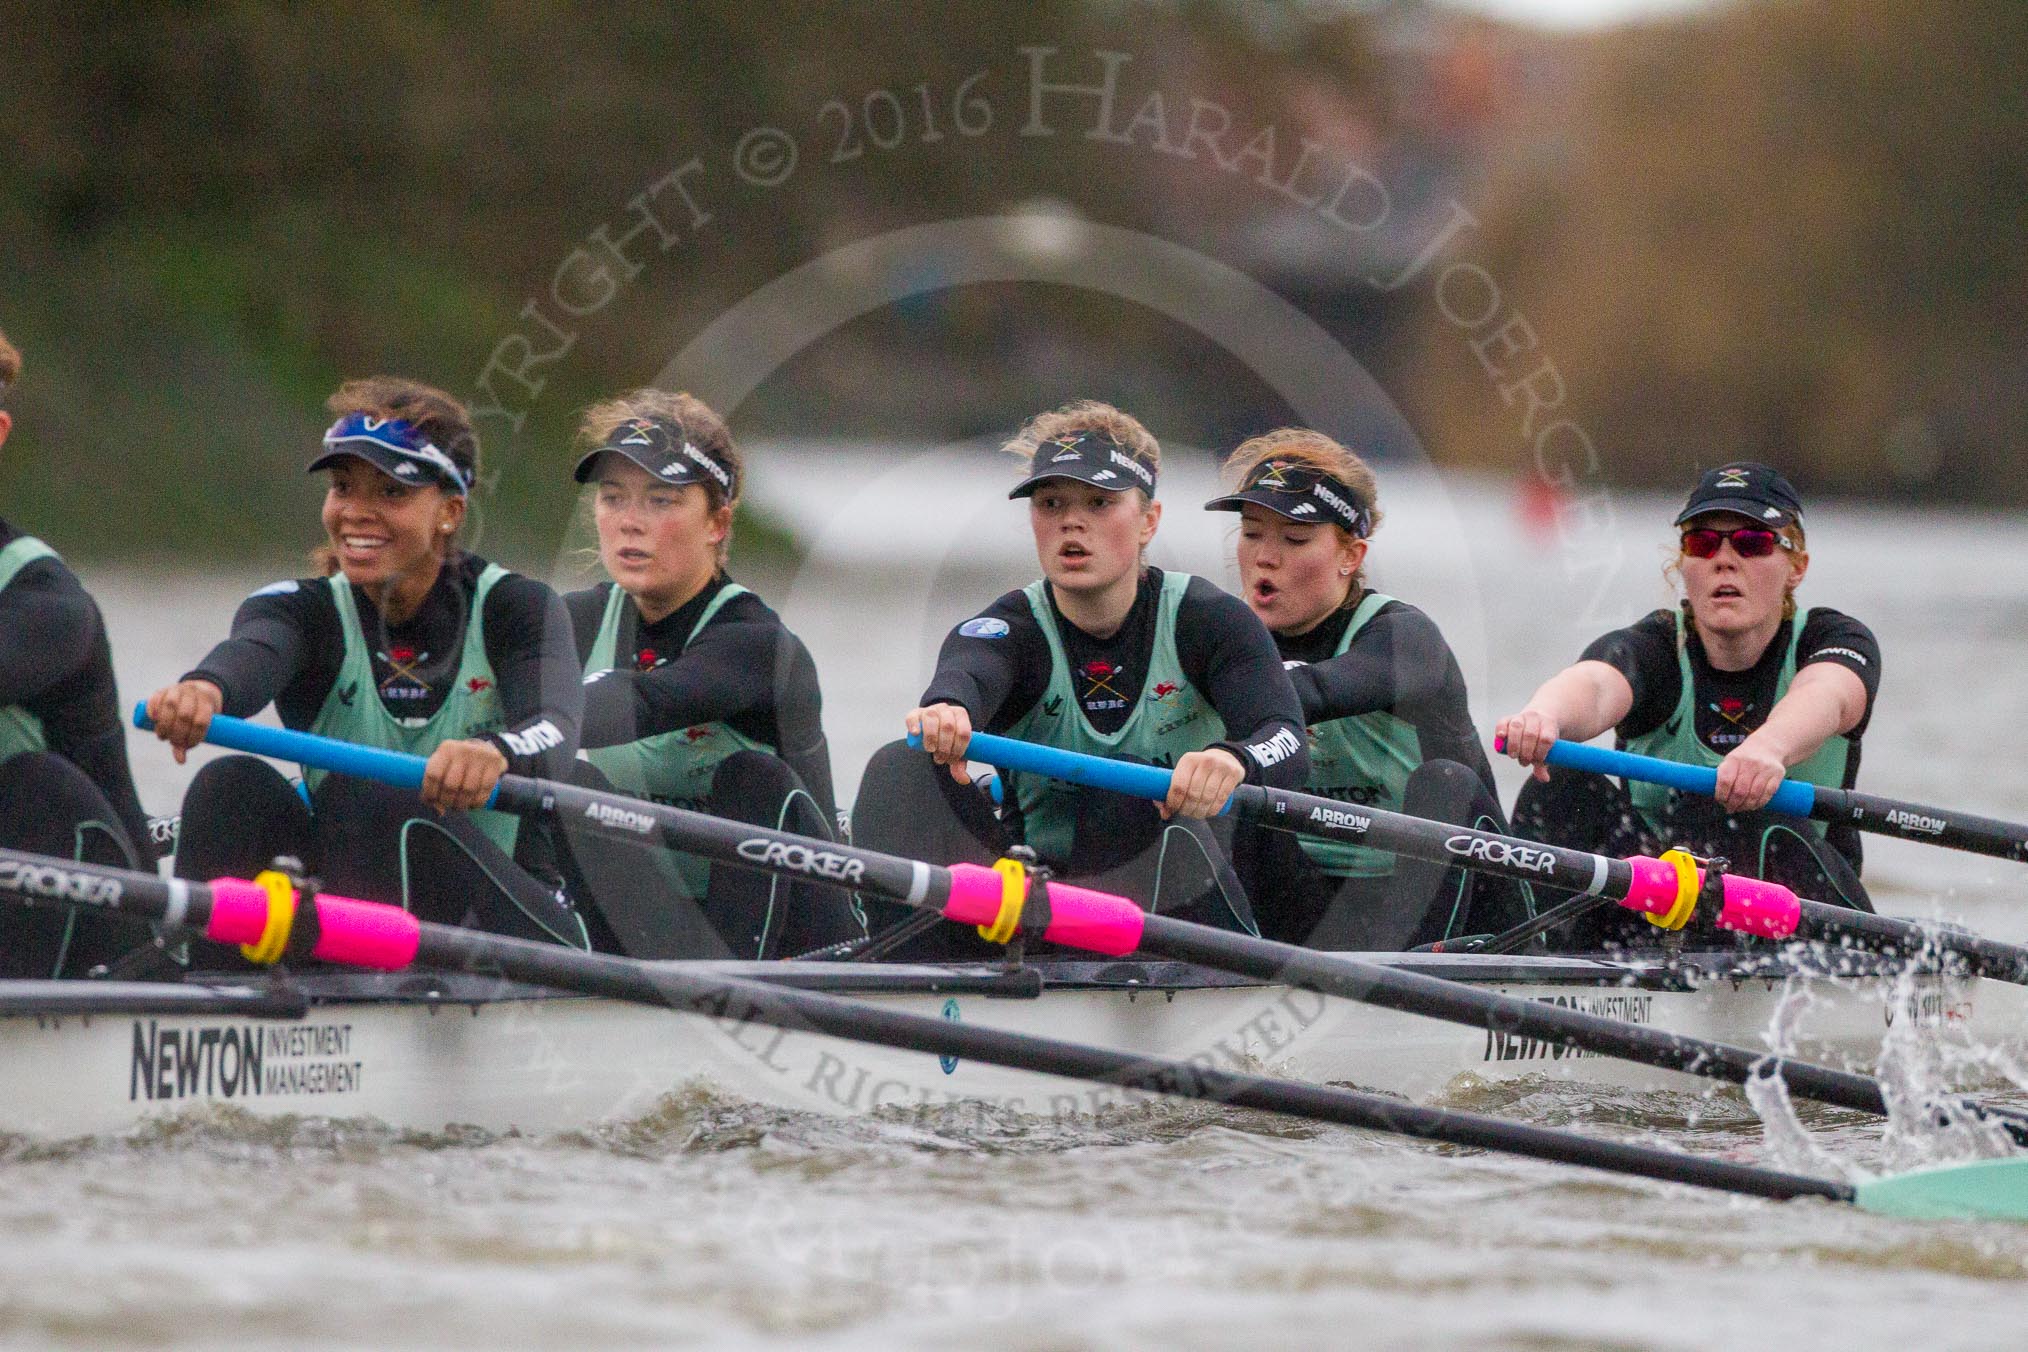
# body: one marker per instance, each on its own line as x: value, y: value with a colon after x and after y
x: 1383, y: 700
x: 406, y: 643
x: 1103, y: 655
x: 696, y: 694
x: 65, y: 786
x: 1735, y: 677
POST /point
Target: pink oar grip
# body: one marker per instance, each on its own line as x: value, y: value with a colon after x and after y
x: 356, y: 933
x: 1097, y: 922
x: 975, y: 895
x: 365, y: 934
x: 239, y: 911
x: 1754, y: 906
x: 1654, y: 886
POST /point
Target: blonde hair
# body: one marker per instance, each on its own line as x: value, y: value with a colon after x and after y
x: 1304, y: 448
x: 10, y: 365
x: 691, y: 419
x: 1088, y: 415
x: 1799, y: 551
x: 437, y: 416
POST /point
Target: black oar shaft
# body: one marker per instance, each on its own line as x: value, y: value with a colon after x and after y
x: 1580, y: 871
x: 1413, y: 993
x: 756, y: 847
x: 1370, y: 983
x: 734, y: 1001
x: 1440, y: 842
x: 1981, y: 956
x: 1800, y: 798
x: 684, y: 988
x: 738, y: 844
x: 1931, y: 825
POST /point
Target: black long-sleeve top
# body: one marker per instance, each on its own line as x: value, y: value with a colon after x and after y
x: 56, y: 662
x: 1398, y: 663
x: 288, y: 647
x: 997, y: 670
x: 744, y: 669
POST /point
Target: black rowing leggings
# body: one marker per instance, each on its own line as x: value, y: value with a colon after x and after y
x: 647, y: 899
x: 1420, y: 902
x: 1584, y: 811
x: 361, y: 839
x: 49, y: 806
x: 910, y: 806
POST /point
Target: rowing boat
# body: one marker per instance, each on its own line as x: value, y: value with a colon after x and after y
x: 425, y: 1051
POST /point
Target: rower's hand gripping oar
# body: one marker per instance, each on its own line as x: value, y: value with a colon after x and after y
x: 1004, y: 900
x: 1798, y: 798
x: 274, y: 920
x: 1668, y: 890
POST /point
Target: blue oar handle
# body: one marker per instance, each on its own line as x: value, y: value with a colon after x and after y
x: 1795, y: 797
x: 1074, y: 767
x: 397, y: 768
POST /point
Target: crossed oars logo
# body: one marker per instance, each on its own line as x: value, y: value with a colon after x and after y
x: 1273, y: 475
x: 1100, y: 674
x: 402, y: 664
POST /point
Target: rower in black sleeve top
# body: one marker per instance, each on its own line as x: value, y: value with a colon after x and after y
x: 1108, y: 656
x: 65, y: 786
x: 696, y: 695
x: 1384, y: 706
x: 1736, y: 677
x: 408, y: 644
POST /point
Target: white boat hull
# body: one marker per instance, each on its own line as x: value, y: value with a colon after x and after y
x: 537, y: 1063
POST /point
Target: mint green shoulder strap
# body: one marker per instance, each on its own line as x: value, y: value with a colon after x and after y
x: 20, y: 554
x: 726, y: 593
x: 1369, y: 606
x: 1802, y: 617
x: 475, y: 625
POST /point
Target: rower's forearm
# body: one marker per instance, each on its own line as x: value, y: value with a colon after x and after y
x: 1574, y: 699
x: 1823, y: 701
x: 1795, y: 729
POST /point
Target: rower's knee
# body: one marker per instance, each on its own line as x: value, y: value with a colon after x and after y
x: 753, y: 786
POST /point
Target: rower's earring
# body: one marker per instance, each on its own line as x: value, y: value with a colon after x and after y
x: 1344, y: 572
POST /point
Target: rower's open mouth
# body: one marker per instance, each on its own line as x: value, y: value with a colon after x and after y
x: 1265, y: 590
x: 1726, y: 592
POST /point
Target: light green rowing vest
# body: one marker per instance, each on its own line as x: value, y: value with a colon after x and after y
x: 669, y: 767
x: 353, y: 711
x: 20, y: 730
x: 1171, y: 719
x: 1364, y: 759
x: 1677, y: 740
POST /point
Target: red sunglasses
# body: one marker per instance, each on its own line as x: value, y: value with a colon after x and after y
x: 1749, y: 542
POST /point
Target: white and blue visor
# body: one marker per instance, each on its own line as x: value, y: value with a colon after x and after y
x: 394, y: 447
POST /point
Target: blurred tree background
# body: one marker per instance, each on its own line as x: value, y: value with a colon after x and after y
x: 1790, y: 229
x: 1796, y: 232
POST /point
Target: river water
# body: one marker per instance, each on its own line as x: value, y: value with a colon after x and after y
x: 713, y: 1221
